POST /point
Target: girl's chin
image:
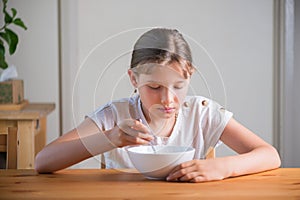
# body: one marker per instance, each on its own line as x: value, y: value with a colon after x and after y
x: 167, y: 115
x: 163, y: 114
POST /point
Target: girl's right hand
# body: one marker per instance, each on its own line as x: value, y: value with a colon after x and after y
x: 129, y: 132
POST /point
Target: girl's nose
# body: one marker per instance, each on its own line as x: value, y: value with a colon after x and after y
x: 167, y: 96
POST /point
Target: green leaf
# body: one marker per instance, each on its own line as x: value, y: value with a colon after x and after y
x: 13, y: 41
x: 20, y: 23
x: 2, y: 50
x: 5, y: 36
x: 7, y: 18
x: 14, y: 12
x: 3, y: 64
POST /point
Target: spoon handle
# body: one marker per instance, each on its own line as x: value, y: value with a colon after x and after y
x: 155, y: 138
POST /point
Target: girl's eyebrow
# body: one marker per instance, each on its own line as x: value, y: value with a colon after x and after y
x: 180, y: 82
x: 159, y: 82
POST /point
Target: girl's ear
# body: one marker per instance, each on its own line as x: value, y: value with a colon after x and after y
x: 133, y: 78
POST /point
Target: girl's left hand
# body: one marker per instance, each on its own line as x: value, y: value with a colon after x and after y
x: 198, y: 171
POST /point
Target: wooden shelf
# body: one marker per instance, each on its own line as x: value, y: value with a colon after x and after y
x: 14, y: 106
x: 30, y: 111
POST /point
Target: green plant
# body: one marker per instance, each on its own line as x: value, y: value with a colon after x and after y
x: 7, y: 35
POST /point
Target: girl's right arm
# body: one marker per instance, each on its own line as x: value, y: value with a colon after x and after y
x: 86, y: 141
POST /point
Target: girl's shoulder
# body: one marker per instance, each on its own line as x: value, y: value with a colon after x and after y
x: 201, y: 104
x: 121, y: 103
x: 110, y: 113
x: 197, y: 101
x: 116, y: 110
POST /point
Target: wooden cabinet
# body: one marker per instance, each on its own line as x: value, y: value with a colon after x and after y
x: 31, y: 124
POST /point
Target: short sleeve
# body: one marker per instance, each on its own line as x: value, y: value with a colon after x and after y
x: 103, y: 117
x: 215, y: 119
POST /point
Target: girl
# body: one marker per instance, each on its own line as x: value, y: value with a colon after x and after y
x: 161, y: 67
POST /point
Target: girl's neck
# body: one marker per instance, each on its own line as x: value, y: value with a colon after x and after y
x: 162, y: 127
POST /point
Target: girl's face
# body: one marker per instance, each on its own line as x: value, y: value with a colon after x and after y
x: 162, y: 90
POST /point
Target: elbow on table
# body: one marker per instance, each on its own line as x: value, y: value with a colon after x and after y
x: 277, y: 159
x: 40, y: 164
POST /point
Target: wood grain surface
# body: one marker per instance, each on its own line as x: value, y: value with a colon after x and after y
x: 283, y: 183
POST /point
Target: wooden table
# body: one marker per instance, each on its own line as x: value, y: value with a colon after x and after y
x: 283, y: 183
x: 31, y: 131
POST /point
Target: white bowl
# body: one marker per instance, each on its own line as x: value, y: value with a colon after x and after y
x: 158, y: 164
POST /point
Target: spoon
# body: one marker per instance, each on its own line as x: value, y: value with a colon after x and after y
x: 151, y: 132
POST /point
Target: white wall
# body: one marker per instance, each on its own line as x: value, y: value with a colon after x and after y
x: 36, y: 58
x: 69, y: 58
x: 238, y: 35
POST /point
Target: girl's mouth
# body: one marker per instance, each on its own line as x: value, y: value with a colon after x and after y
x: 167, y: 110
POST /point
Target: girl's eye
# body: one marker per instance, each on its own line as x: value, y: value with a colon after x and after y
x: 178, y: 87
x: 154, y: 87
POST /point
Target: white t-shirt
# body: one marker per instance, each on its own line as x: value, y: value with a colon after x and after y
x: 199, y: 124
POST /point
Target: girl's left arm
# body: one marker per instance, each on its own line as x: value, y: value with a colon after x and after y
x: 255, y: 155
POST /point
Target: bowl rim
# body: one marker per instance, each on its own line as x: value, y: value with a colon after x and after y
x: 187, y: 149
